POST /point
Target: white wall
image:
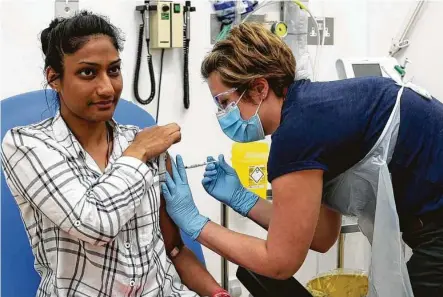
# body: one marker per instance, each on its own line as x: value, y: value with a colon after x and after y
x: 386, y: 20
x: 362, y: 28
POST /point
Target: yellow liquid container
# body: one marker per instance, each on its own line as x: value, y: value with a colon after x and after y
x: 250, y: 161
x: 339, y: 283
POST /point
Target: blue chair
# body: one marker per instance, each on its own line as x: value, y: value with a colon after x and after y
x: 18, y: 276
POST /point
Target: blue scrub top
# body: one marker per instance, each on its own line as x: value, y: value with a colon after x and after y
x: 333, y: 125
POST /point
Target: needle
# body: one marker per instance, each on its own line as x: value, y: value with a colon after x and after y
x: 199, y: 165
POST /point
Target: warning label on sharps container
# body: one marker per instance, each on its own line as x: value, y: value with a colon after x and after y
x: 257, y: 176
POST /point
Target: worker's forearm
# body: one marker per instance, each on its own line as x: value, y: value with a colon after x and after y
x: 326, y: 233
x: 327, y: 230
x: 261, y: 213
x: 243, y: 250
x: 193, y: 274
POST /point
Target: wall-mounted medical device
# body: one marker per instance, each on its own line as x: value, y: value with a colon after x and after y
x: 165, y: 25
x: 358, y: 67
x: 279, y: 28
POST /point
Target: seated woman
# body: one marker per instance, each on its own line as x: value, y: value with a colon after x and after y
x: 87, y: 187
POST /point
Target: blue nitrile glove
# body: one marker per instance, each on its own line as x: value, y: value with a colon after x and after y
x: 179, y: 203
x: 222, y: 182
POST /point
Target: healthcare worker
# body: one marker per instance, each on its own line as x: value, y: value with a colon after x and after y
x: 366, y: 147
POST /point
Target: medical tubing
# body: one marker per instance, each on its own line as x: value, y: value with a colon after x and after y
x: 224, y: 31
x: 186, y: 100
x: 159, y: 85
x: 319, y: 42
x: 137, y: 69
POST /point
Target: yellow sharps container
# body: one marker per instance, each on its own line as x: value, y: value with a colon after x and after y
x: 250, y: 161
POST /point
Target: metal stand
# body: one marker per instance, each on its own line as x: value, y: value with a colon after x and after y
x: 282, y: 11
x: 341, y: 251
x: 224, y: 262
x: 345, y: 229
x: 403, y: 40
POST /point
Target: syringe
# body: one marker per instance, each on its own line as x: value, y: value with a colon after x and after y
x: 199, y: 165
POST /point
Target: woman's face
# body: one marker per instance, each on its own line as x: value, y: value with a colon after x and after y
x: 92, y: 83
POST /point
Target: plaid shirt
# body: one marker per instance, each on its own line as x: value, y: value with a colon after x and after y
x: 92, y: 233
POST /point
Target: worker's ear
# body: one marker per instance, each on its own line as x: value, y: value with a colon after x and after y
x: 53, y: 79
x: 259, y: 90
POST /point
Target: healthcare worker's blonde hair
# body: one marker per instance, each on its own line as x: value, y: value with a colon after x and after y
x: 251, y: 51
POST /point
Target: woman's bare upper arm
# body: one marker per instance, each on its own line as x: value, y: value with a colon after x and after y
x: 170, y: 231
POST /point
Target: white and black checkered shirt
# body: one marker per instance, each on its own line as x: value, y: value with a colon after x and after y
x: 92, y: 233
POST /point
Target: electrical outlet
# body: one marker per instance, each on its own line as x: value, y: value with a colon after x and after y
x: 325, y: 26
x: 65, y: 8
x: 216, y: 25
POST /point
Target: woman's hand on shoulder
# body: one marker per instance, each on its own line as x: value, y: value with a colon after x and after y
x: 153, y: 141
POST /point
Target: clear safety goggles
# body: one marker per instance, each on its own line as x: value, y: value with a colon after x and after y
x: 221, y: 107
x: 218, y: 99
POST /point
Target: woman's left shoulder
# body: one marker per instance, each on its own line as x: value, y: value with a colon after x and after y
x: 129, y: 132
